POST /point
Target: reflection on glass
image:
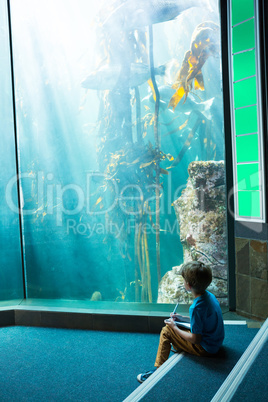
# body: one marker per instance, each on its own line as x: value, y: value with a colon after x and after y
x: 244, y: 65
x: 121, y: 141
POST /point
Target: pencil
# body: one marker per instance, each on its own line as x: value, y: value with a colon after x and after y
x: 174, y: 311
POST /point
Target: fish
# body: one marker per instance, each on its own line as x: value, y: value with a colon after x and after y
x: 190, y: 240
x: 204, y: 43
x: 136, y: 14
x: 113, y: 76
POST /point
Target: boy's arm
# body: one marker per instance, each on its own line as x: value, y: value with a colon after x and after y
x: 188, y: 336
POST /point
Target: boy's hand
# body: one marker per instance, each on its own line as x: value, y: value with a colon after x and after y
x: 176, y: 317
x: 170, y: 323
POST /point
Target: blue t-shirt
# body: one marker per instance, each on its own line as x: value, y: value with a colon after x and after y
x: 206, y: 320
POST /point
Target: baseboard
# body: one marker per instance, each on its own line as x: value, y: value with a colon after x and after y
x: 78, y: 320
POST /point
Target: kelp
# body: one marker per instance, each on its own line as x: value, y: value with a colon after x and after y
x: 136, y: 163
x: 124, y: 157
x: 157, y: 145
x: 122, y: 161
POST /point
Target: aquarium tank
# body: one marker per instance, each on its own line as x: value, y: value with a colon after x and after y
x: 116, y: 119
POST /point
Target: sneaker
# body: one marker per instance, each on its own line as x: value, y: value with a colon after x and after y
x: 142, y: 377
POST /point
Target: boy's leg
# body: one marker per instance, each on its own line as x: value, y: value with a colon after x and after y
x: 168, y: 337
x: 163, y: 348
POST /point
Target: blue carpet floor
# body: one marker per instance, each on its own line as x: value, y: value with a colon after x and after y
x: 47, y: 364
x: 197, y: 379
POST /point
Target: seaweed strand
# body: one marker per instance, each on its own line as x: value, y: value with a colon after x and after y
x: 138, y: 114
x: 149, y: 286
x: 139, y: 249
x: 144, y: 282
x: 136, y: 245
x: 157, y: 145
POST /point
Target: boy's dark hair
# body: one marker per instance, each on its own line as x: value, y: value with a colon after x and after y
x: 197, y: 274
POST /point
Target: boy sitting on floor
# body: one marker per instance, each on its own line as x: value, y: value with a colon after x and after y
x: 207, y: 329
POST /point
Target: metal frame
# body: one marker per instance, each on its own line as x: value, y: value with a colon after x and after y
x: 17, y: 163
x: 259, y: 115
x: 230, y: 223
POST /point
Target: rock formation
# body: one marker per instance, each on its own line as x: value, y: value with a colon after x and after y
x: 201, y: 213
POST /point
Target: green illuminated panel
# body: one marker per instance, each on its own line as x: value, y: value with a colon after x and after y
x: 247, y: 148
x: 245, y: 92
x: 246, y: 121
x: 243, y: 37
x: 248, y: 176
x: 246, y: 125
x: 249, y: 204
x: 242, y: 10
x: 244, y: 65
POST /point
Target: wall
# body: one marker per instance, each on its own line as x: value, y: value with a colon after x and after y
x: 251, y: 271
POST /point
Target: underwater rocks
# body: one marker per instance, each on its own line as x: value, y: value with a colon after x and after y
x: 171, y: 288
x: 201, y: 213
x: 96, y: 296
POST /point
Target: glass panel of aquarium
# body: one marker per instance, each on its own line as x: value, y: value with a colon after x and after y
x: 243, y: 36
x: 246, y: 120
x: 242, y: 10
x: 249, y: 203
x: 248, y: 176
x: 11, y: 283
x: 244, y: 65
x: 122, y: 165
x: 247, y: 148
x: 245, y: 92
